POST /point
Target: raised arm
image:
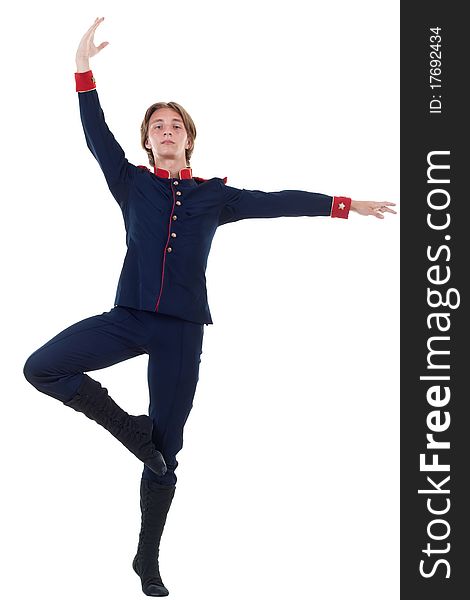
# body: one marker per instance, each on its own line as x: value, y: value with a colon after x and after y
x: 101, y: 142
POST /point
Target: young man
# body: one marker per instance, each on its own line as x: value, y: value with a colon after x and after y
x: 161, y: 302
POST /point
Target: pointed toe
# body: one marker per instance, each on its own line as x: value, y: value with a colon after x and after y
x: 157, y: 464
x: 155, y: 502
x: 154, y: 589
x: 134, y: 432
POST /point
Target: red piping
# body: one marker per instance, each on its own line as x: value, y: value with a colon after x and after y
x: 166, y: 246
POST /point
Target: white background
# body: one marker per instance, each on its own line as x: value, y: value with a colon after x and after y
x: 288, y: 481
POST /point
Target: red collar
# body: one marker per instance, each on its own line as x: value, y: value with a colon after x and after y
x: 185, y: 173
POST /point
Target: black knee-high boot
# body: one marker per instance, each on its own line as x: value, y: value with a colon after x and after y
x: 135, y: 433
x: 155, y: 502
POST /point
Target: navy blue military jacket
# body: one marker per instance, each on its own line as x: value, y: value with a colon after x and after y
x: 170, y: 222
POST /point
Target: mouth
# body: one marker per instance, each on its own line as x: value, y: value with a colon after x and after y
x: 168, y: 142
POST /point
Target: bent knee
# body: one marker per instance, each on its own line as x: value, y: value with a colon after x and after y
x: 32, y: 369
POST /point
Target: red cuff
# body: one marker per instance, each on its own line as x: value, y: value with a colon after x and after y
x: 340, y: 207
x: 84, y: 82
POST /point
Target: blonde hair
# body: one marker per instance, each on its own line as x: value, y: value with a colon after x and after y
x: 188, y: 124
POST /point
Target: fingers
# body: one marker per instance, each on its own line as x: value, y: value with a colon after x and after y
x: 96, y: 22
x: 380, y: 207
x: 91, y: 30
x: 382, y: 204
x: 390, y: 210
x: 90, y: 37
x: 86, y: 48
x: 375, y: 209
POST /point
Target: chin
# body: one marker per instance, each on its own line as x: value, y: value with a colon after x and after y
x: 167, y: 155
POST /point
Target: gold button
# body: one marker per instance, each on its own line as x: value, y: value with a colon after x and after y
x: 168, y: 249
x: 174, y: 217
x: 178, y: 203
x: 178, y: 193
x: 173, y: 234
x: 175, y: 183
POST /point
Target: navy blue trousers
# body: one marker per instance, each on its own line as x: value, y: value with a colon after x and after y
x: 174, y: 347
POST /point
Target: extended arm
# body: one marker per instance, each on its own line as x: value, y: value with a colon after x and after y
x: 255, y: 204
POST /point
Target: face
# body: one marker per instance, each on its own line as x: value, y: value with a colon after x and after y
x: 167, y: 135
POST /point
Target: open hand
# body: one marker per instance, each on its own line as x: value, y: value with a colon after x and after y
x: 363, y: 207
x: 86, y: 48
